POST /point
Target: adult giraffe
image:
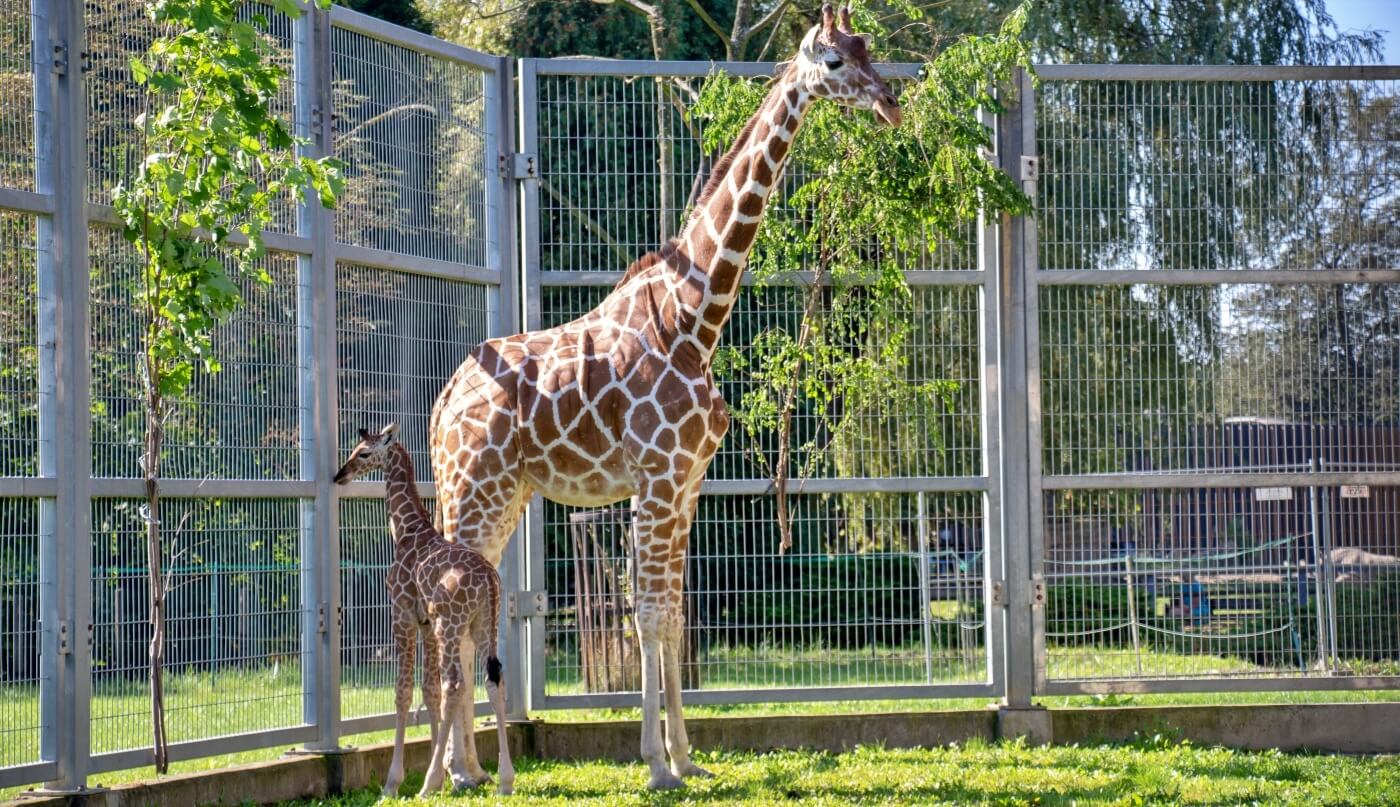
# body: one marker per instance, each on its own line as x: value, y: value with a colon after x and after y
x: 620, y: 402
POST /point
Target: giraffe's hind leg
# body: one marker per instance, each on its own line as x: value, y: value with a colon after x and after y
x: 404, y: 631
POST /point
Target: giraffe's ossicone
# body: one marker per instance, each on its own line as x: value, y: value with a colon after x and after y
x: 621, y: 403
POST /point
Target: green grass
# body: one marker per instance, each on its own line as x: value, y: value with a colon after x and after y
x: 1155, y: 772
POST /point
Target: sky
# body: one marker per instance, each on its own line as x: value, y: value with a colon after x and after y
x: 1380, y: 14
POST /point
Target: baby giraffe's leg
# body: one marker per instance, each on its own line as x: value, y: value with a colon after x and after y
x: 465, y: 767
x: 432, y: 680
x: 450, y: 667
x: 496, y: 693
x: 404, y: 630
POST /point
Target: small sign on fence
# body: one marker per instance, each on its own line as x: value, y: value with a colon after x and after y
x: 1356, y: 491
x: 1273, y: 494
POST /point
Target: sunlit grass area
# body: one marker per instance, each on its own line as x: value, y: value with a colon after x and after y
x: 1156, y: 771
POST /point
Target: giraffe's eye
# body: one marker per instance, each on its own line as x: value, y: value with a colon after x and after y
x: 833, y: 62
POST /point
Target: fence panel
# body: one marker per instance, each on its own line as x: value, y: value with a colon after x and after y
x: 883, y: 593
x: 414, y: 279
x: 1217, y: 348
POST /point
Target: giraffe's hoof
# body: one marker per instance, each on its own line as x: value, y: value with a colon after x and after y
x: 665, y: 781
x: 505, y: 789
x: 690, y: 769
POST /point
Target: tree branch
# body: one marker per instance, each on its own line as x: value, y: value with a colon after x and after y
x: 772, y: 17
x: 711, y: 23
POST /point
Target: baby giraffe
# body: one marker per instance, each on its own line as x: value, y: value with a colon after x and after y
x: 456, y: 590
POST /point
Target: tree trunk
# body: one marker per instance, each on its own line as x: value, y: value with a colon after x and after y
x: 156, y: 654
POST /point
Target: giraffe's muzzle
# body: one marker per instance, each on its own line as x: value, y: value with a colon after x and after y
x: 887, y: 109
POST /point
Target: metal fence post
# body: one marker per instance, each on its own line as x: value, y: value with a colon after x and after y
x: 66, y: 696
x: 1014, y: 287
x: 320, y: 548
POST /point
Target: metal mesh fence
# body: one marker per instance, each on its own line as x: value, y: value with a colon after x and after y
x: 21, y: 578
x: 870, y: 594
x: 234, y: 650
x: 20, y: 254
x: 1231, y: 378
x: 399, y: 338
x: 17, y: 65
x: 412, y: 131
x: 238, y: 423
x: 1191, y: 175
x: 1222, y: 582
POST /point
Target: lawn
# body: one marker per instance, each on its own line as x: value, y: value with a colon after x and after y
x: 1156, y: 771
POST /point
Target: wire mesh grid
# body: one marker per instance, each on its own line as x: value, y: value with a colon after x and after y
x: 412, y: 130
x: 120, y: 30
x: 868, y: 594
x: 238, y: 423
x: 399, y: 338
x: 932, y: 429
x: 368, y: 657
x: 20, y: 253
x: 1218, y: 175
x: 21, y: 581
x: 1222, y: 583
x: 605, y: 199
x: 1228, y: 378
x: 17, y: 66
x: 234, y: 611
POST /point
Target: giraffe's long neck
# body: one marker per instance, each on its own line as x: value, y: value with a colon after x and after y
x: 716, y: 240
x: 406, y: 511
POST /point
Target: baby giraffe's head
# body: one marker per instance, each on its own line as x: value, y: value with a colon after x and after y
x: 834, y: 63
x: 370, y: 453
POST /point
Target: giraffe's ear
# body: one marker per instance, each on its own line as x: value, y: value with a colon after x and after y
x: 364, y: 434
x: 390, y: 433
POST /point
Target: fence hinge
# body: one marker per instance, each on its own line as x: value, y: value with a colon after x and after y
x: 1037, y: 591
x: 60, y: 58
x: 999, y: 593
x: 64, y: 629
x: 517, y: 166
x: 525, y: 604
x: 1030, y: 169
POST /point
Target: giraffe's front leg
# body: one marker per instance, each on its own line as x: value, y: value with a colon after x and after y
x: 404, y: 630
x: 677, y: 743
x: 651, y: 615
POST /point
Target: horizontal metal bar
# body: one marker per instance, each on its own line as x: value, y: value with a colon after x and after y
x: 30, y: 774
x: 26, y: 201
x: 926, y: 277
x: 637, y: 67
x: 207, y: 488
x: 342, y: 17
x: 416, y: 717
x: 15, y: 487
x: 412, y: 264
x: 1187, y: 479
x: 1211, y: 72
x: 1148, y: 686
x: 1171, y: 277
x: 903, y: 484
x: 378, y: 490
x: 274, y: 241
x: 719, y: 697
x: 195, y: 749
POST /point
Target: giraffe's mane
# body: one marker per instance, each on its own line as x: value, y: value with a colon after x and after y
x: 647, y: 261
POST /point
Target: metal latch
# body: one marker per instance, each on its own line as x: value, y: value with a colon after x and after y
x: 517, y: 166
x: 1037, y: 591
x: 999, y: 592
x: 523, y: 604
x: 1030, y: 169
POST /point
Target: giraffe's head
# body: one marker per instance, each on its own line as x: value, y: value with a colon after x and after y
x: 834, y: 63
x: 370, y: 453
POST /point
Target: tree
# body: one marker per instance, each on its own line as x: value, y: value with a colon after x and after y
x: 217, y: 162
x: 869, y: 199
